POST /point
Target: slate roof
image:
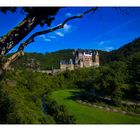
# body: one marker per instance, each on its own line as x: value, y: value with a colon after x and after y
x: 67, y: 61
x: 83, y: 51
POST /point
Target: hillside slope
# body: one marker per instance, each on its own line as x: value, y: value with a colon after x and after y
x: 125, y: 51
x: 51, y: 60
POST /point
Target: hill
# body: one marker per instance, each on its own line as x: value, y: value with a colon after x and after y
x: 124, y: 52
x: 46, y: 61
x: 49, y: 60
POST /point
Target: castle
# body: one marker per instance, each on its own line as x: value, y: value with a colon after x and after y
x: 81, y: 59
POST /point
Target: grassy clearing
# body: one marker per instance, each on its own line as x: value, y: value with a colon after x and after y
x: 89, y: 115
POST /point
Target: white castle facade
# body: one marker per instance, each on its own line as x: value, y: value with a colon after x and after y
x: 81, y: 59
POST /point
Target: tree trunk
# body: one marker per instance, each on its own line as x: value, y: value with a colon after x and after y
x: 1, y: 73
x: 13, y: 37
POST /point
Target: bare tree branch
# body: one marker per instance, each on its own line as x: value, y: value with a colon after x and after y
x: 11, y: 59
x: 31, y: 38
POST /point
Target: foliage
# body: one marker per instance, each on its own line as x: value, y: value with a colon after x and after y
x: 21, y: 100
x: 46, y: 61
x: 124, y: 52
x: 45, y: 14
x: 59, y: 112
x: 134, y: 75
x: 21, y: 90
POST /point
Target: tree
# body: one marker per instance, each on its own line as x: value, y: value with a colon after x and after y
x: 134, y: 75
x: 34, y: 16
x: 59, y: 112
x: 112, y: 80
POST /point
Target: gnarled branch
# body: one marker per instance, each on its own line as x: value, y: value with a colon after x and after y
x: 31, y: 38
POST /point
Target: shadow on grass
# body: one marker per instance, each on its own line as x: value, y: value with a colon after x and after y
x: 75, y: 95
x: 90, y: 97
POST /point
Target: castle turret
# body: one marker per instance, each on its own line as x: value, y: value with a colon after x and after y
x: 97, y: 60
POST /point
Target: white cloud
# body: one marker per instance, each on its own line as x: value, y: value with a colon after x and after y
x: 109, y: 48
x: 67, y: 27
x: 52, y: 36
x: 42, y: 36
x: 45, y: 38
x: 60, y: 34
x: 101, y: 42
x: 68, y: 14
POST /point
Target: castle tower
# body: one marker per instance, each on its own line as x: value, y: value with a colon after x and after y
x: 78, y: 58
x: 97, y: 60
x: 81, y: 64
x: 62, y: 65
x: 87, y: 58
x: 71, y: 65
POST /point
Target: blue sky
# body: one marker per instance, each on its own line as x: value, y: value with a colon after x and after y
x: 107, y: 29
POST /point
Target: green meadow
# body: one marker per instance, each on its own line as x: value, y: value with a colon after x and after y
x: 89, y: 115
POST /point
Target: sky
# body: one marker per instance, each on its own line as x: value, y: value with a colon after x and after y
x: 107, y: 29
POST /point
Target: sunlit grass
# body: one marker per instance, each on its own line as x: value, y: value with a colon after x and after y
x: 89, y: 115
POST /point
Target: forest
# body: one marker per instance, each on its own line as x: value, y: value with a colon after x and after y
x: 26, y: 96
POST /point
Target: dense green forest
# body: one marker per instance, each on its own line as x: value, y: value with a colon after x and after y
x: 46, y: 61
x: 25, y: 96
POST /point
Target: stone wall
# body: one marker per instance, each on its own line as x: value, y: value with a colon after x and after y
x: 64, y: 67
